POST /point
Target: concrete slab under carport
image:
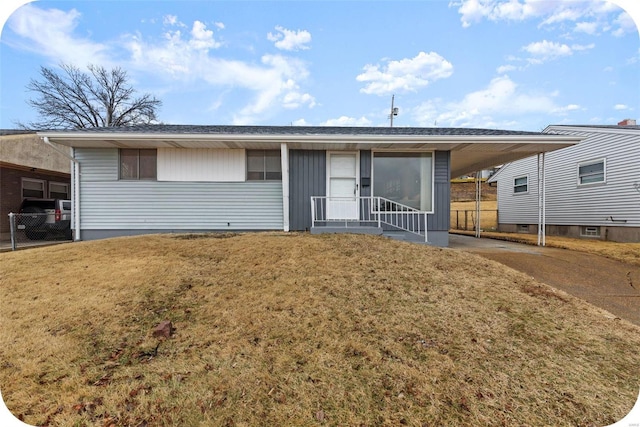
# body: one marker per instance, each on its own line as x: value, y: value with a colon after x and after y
x: 611, y: 285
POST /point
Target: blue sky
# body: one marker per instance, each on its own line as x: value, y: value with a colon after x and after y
x: 517, y: 64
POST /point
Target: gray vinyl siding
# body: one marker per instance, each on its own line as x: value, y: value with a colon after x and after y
x: 307, y: 177
x: 568, y: 203
x: 519, y: 208
x: 108, y: 204
x: 439, y: 220
x: 365, y: 172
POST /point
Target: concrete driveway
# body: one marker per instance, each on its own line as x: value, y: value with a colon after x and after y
x: 608, y: 284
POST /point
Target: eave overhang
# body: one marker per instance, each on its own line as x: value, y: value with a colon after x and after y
x: 469, y: 153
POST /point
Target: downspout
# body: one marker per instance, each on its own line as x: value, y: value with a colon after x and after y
x: 284, y: 154
x: 76, y: 187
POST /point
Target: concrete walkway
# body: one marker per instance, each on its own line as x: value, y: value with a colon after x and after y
x: 605, y: 283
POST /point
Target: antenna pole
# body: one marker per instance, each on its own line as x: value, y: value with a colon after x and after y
x: 391, y: 115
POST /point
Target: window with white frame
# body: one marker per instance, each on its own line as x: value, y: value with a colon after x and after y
x: 264, y: 165
x: 521, y: 185
x: 590, y: 231
x: 58, y: 190
x: 33, y: 188
x: 138, y: 164
x: 591, y: 172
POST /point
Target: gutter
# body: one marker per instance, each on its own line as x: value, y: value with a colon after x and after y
x: 76, y: 185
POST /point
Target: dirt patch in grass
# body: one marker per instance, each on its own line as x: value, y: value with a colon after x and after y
x: 303, y: 330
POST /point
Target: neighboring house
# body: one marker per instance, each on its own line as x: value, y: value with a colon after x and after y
x: 29, y: 168
x: 592, y: 190
x: 176, y: 178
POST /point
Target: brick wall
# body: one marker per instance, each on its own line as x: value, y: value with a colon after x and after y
x: 11, y: 190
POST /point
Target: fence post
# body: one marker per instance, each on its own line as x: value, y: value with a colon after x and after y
x: 12, y: 228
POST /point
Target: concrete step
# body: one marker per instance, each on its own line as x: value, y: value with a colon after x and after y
x: 354, y: 229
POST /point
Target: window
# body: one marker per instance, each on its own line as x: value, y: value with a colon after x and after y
x: 33, y: 188
x: 523, y: 228
x: 264, y: 165
x: 58, y: 190
x: 138, y: 164
x: 591, y: 172
x: 590, y: 231
x: 405, y: 178
x: 521, y: 185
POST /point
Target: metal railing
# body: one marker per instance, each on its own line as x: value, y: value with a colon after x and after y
x: 32, y: 229
x: 367, y: 211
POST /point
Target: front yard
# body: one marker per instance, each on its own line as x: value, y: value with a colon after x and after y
x: 294, y: 329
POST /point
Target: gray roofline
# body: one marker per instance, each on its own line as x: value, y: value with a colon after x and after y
x: 282, y: 131
x: 601, y: 128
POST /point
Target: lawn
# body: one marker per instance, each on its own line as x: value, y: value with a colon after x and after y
x: 463, y: 215
x: 294, y: 329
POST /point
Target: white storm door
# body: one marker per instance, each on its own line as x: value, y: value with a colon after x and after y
x: 342, y: 184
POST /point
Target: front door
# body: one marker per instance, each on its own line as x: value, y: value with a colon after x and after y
x: 342, y: 184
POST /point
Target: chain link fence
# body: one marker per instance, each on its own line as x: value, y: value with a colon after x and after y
x: 32, y: 228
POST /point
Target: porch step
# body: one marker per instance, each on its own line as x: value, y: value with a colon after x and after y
x: 404, y: 236
x: 355, y: 229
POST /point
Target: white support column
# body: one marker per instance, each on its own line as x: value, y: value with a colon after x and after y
x: 542, y: 201
x: 75, y: 183
x: 284, y: 154
x: 478, y: 201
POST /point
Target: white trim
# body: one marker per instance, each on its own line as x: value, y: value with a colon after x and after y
x: 68, y: 186
x: 357, y: 178
x: 513, y: 187
x: 284, y: 158
x: 602, y: 160
x: 39, y: 181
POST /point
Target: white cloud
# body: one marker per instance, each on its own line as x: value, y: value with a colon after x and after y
x: 290, y: 40
x: 586, y: 27
x: 566, y: 109
x: 293, y: 100
x: 187, y: 59
x: 496, y: 105
x: 201, y: 38
x: 49, y: 32
x: 171, y: 20
x: 620, y: 107
x: 347, y: 121
x: 546, y: 49
x: 505, y: 69
x: 626, y: 25
x: 300, y: 122
x: 585, y: 15
x: 405, y: 75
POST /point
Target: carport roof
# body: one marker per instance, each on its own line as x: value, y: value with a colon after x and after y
x: 471, y: 149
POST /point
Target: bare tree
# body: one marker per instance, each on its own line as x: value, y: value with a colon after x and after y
x: 73, y: 99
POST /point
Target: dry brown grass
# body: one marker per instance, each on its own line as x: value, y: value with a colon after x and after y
x: 293, y: 329
x: 625, y: 252
x: 466, y: 221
